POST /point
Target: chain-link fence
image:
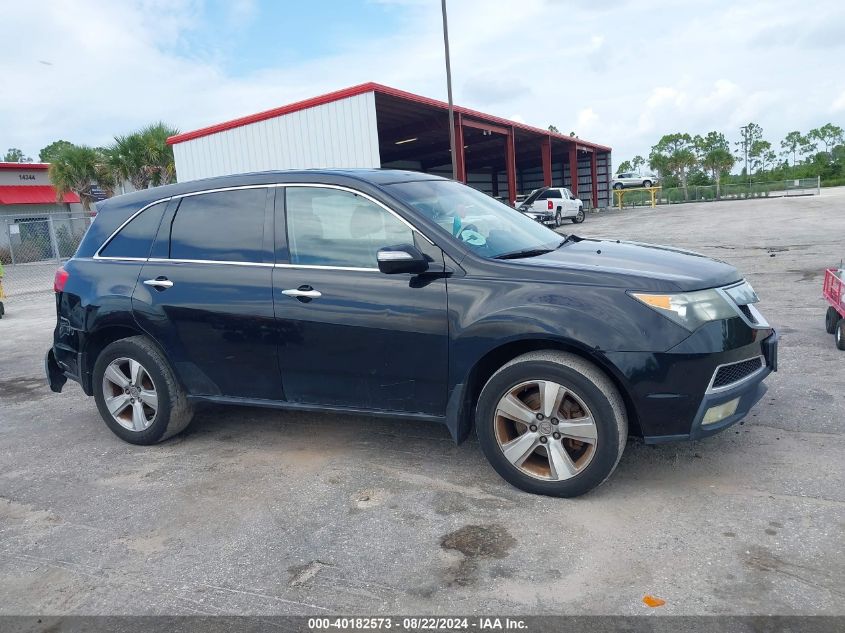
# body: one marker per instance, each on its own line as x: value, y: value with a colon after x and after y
x: 32, y: 247
x: 735, y: 191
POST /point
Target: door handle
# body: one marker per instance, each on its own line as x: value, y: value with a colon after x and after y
x: 306, y: 292
x: 159, y: 283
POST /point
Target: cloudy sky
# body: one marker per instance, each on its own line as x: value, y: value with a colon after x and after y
x: 617, y: 72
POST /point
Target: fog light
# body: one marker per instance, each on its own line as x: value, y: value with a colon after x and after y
x: 720, y: 412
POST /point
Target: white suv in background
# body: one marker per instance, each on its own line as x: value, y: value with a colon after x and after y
x: 629, y: 179
x: 553, y: 205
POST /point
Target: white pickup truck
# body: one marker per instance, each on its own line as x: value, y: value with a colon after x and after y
x: 553, y: 205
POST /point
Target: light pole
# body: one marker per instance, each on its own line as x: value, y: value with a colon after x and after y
x: 744, y: 129
x: 449, y: 93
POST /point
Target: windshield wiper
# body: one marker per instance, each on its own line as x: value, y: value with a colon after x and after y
x: 569, y: 238
x: 527, y: 252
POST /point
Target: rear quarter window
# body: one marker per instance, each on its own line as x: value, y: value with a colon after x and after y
x: 136, y: 238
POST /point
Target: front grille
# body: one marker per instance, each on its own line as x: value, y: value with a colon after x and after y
x: 729, y: 374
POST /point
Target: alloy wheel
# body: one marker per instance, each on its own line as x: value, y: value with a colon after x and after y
x: 545, y: 430
x: 130, y: 394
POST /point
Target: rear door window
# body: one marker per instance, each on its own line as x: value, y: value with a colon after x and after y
x: 134, y: 240
x: 225, y: 226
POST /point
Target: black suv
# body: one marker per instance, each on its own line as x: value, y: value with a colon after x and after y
x: 401, y: 294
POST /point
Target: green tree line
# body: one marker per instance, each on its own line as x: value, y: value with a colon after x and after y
x: 143, y: 158
x: 683, y: 160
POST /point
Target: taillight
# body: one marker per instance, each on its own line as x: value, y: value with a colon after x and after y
x: 551, y: 205
x: 60, y: 279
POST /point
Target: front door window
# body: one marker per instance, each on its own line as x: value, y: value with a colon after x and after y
x: 332, y: 227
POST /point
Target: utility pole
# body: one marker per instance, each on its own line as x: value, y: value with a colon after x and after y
x: 744, y: 129
x: 449, y: 93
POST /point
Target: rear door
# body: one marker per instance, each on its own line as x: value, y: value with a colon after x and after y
x: 351, y: 336
x: 206, y: 293
x: 572, y: 204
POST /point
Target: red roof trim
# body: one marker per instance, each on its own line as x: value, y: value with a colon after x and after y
x: 33, y: 194
x: 361, y: 89
x: 270, y: 114
x: 25, y: 166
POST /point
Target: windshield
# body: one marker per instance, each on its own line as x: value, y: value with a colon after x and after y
x: 487, y: 226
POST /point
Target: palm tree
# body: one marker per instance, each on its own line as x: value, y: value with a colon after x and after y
x: 126, y: 160
x: 80, y: 169
x: 160, y: 162
x: 144, y: 158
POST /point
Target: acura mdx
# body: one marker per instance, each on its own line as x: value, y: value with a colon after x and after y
x: 401, y: 294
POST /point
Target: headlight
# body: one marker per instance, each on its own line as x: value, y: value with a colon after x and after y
x: 690, y: 310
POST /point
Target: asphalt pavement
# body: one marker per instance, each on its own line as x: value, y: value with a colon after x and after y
x: 265, y: 512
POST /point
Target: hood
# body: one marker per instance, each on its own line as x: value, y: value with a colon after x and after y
x: 685, y: 270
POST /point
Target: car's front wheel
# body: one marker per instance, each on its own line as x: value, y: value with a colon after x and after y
x: 646, y: 183
x: 551, y: 423
x: 617, y: 185
x: 137, y: 394
x: 579, y: 217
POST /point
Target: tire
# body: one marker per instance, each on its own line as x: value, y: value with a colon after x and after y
x: 2, y: 310
x: 618, y: 185
x: 579, y: 217
x: 588, y: 390
x: 558, y: 219
x: 831, y: 318
x: 840, y: 334
x: 173, y: 411
x: 646, y: 183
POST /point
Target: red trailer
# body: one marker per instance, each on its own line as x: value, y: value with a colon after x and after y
x: 834, y: 293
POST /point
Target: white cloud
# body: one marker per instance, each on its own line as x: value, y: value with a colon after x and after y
x: 839, y: 103
x: 624, y: 74
x: 587, y: 122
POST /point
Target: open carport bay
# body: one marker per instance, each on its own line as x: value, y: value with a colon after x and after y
x: 256, y: 511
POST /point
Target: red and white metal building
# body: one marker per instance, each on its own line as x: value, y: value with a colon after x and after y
x: 371, y: 125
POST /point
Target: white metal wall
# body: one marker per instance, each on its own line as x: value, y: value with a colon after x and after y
x: 342, y: 133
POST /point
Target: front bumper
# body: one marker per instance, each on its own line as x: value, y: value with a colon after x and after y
x: 670, y: 392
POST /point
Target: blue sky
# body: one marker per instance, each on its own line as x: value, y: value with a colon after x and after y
x: 618, y: 72
x: 247, y: 36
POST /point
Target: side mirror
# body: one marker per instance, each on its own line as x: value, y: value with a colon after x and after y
x: 402, y: 258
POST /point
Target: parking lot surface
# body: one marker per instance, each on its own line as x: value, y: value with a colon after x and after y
x: 266, y: 512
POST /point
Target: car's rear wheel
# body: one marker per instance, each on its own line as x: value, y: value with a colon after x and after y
x: 551, y: 423
x: 646, y: 183
x: 840, y: 334
x: 579, y: 217
x: 558, y: 219
x: 137, y: 394
x: 831, y: 318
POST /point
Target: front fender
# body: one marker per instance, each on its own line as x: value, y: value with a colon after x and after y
x: 487, y: 313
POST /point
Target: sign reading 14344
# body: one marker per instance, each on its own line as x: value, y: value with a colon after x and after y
x: 26, y: 176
